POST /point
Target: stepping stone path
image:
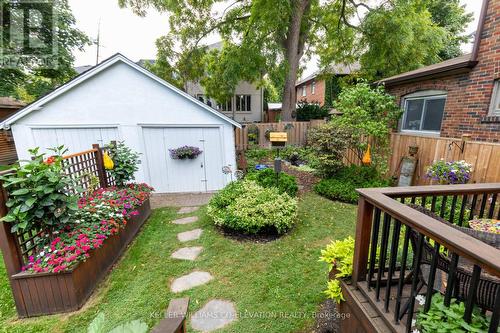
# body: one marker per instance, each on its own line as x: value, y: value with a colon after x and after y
x: 214, y: 315
x: 189, y: 235
x: 186, y: 220
x: 187, y: 253
x: 190, y: 280
x: 187, y: 210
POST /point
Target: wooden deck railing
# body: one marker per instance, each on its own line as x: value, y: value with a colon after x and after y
x: 405, y: 247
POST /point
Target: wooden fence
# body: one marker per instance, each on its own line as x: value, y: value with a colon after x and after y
x: 297, y: 133
x: 484, y: 156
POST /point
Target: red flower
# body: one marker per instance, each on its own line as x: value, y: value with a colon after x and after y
x: 50, y: 160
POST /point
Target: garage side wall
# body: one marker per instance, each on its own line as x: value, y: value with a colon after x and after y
x: 124, y: 99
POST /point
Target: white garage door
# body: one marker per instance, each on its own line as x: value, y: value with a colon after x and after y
x: 198, y: 175
x: 74, y: 139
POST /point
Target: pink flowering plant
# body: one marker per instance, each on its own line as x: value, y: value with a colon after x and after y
x: 185, y: 152
x: 100, y: 215
x: 455, y: 172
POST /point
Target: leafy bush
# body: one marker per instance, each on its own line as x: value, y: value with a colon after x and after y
x: 125, y: 163
x: 339, y: 256
x: 297, y: 155
x: 249, y: 208
x: 267, y: 178
x: 37, y: 193
x: 307, y: 111
x: 328, y: 144
x: 343, y: 185
x: 256, y: 155
x: 441, y: 318
x: 98, y: 326
x: 367, y: 112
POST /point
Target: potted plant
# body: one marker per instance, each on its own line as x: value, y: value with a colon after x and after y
x: 185, y: 152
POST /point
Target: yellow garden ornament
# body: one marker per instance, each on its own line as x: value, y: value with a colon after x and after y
x: 367, y: 157
x: 108, y: 162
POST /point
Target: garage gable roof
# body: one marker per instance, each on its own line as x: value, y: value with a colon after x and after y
x: 38, y: 104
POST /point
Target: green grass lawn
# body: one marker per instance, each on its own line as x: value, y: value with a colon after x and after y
x: 283, y: 276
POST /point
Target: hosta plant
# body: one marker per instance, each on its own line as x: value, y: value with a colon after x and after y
x: 125, y: 162
x: 37, y: 193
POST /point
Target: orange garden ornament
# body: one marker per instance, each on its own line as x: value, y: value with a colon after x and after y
x: 367, y: 157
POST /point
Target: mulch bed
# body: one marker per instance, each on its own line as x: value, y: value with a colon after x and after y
x: 305, y: 180
x: 327, y: 318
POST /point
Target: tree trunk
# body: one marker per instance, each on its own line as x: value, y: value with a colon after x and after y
x: 294, y: 49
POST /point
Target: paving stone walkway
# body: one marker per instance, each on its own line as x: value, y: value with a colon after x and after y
x: 189, y: 235
x: 187, y: 210
x: 186, y: 220
x: 191, y: 280
x: 214, y: 315
x: 187, y: 253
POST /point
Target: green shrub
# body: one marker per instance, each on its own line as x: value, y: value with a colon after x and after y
x: 307, y: 111
x: 328, y: 144
x: 343, y: 185
x: 125, y: 163
x: 256, y: 155
x: 249, y: 208
x: 339, y: 256
x: 267, y: 178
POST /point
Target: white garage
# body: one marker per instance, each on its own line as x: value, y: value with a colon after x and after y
x: 119, y: 100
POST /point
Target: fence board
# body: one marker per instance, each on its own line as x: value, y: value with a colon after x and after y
x: 484, y: 156
x: 297, y: 133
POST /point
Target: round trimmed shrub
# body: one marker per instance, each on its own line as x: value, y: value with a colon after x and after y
x: 267, y: 178
x: 249, y: 208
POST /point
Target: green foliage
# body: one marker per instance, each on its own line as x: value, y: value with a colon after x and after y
x: 267, y: 178
x: 31, y: 79
x: 249, y: 208
x: 332, y: 89
x: 339, y: 256
x: 307, y: 111
x: 38, y: 199
x: 98, y: 326
x: 328, y: 143
x: 441, y: 318
x: 368, y: 113
x: 125, y: 160
x: 342, y: 186
x: 256, y: 155
x: 450, y: 15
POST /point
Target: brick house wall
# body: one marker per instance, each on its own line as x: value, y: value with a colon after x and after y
x: 317, y: 97
x: 468, y: 94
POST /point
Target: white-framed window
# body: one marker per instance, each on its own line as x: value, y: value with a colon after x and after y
x: 304, y: 90
x: 227, y: 106
x: 313, y: 87
x: 495, y: 100
x: 423, y: 111
x: 243, y: 102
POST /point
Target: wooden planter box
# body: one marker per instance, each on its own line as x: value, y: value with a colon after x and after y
x: 49, y: 293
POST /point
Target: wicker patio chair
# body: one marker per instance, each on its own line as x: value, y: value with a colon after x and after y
x: 488, y: 284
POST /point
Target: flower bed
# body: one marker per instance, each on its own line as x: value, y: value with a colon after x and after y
x: 64, y: 273
x: 101, y: 215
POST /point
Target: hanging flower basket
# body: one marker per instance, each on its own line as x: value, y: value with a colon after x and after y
x: 185, y: 152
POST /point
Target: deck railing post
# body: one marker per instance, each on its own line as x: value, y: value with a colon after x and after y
x: 103, y: 180
x: 362, y: 240
x: 10, y: 253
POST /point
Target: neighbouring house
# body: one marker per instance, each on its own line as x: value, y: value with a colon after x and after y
x: 8, y: 106
x: 120, y: 100
x: 247, y: 104
x: 457, y: 97
x: 314, y: 88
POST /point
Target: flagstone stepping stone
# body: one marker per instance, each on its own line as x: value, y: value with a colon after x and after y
x: 187, y: 210
x: 190, y: 280
x: 186, y: 220
x: 189, y: 235
x: 214, y: 315
x: 187, y: 253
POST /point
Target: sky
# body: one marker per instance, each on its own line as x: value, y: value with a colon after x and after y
x: 123, y: 31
